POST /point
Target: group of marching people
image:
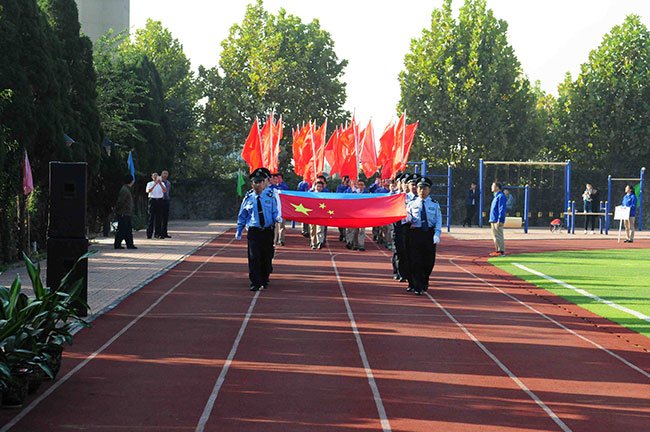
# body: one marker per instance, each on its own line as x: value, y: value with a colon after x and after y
x: 416, y: 237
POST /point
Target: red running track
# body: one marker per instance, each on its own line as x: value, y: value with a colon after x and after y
x: 336, y: 345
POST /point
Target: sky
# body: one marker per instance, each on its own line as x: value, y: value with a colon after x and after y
x: 550, y: 37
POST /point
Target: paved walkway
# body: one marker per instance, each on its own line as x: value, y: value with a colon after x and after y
x: 114, y: 273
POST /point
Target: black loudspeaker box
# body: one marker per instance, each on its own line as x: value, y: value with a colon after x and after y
x: 67, y: 200
x: 62, y: 254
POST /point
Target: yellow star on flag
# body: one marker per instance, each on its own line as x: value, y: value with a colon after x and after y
x: 331, y: 212
x: 322, y: 205
x: 301, y: 209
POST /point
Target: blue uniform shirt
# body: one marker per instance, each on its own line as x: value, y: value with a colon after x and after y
x: 434, y: 216
x: 380, y: 189
x: 629, y: 200
x: 281, y: 186
x: 341, y: 188
x: 498, y: 208
x: 248, y: 214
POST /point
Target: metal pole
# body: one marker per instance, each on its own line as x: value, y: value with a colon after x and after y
x: 600, y: 218
x: 424, y: 168
x: 480, y: 193
x: 609, y: 200
x: 573, y: 217
x: 448, y: 198
x: 640, y: 206
x: 606, y: 217
x: 567, y: 184
x: 526, y: 207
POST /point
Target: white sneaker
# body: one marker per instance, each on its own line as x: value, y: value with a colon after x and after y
x: 593, y: 232
x: 585, y: 231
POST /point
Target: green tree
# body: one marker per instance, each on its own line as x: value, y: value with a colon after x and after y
x: 178, y: 84
x: 464, y: 83
x: 270, y: 63
x: 602, y: 119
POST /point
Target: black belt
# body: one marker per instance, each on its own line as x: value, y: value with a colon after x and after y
x: 155, y: 199
x: 268, y: 228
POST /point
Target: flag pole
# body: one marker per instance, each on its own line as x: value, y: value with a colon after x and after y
x: 259, y: 134
x: 313, y: 147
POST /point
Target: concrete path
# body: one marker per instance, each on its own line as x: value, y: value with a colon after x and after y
x: 114, y: 273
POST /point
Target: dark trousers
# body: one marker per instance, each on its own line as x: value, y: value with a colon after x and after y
x: 342, y: 234
x: 470, y: 211
x: 395, y: 259
x: 590, y: 219
x: 422, y: 257
x: 154, y: 222
x: 165, y: 216
x: 124, y: 230
x: 401, y: 249
x: 260, y: 255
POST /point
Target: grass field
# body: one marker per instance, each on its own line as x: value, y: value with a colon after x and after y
x: 618, y: 276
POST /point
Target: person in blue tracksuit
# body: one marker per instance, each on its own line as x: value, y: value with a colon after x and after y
x: 425, y: 218
x: 498, y: 219
x: 258, y: 214
x: 629, y: 200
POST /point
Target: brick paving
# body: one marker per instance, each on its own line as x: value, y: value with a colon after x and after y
x: 113, y: 273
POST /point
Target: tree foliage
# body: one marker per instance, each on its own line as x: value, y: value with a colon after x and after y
x: 602, y: 118
x: 464, y: 83
x: 270, y: 63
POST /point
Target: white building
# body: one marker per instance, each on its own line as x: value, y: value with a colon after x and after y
x: 99, y: 16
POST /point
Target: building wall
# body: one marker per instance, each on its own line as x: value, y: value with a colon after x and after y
x: 99, y: 16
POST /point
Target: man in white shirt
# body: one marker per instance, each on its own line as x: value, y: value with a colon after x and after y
x: 156, y: 189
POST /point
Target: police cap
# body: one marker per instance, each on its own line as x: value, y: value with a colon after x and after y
x: 257, y: 175
x: 413, y: 179
x: 424, y: 182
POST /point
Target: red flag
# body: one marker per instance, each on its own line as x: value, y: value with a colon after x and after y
x: 252, y: 152
x: 307, y: 159
x: 333, y: 152
x: 266, y: 136
x: 399, y: 143
x: 387, y: 152
x: 408, y: 142
x: 343, y: 210
x: 348, y: 153
x: 368, y: 151
x: 297, y: 146
x: 28, y: 180
x: 278, y: 130
x: 318, y: 139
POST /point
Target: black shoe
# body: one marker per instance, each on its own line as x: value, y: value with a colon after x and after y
x: 254, y: 288
x: 362, y: 249
x: 149, y: 237
x: 374, y: 238
x: 396, y: 277
x: 281, y: 243
x: 348, y: 246
x: 355, y: 248
x: 167, y: 236
x: 313, y: 246
x: 131, y: 247
x: 417, y: 292
x: 409, y: 289
x: 118, y: 247
x: 319, y: 246
x: 401, y: 279
x: 341, y: 238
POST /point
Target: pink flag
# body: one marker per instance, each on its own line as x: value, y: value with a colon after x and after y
x: 28, y: 181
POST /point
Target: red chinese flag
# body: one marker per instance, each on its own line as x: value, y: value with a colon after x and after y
x: 343, y: 210
x: 296, y: 146
x: 368, y: 156
x: 252, y: 152
x: 308, y: 170
x: 387, y: 152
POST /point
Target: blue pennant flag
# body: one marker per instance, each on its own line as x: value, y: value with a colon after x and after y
x: 131, y: 167
x: 69, y: 141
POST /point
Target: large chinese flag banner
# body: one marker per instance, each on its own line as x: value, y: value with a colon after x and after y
x: 345, y: 210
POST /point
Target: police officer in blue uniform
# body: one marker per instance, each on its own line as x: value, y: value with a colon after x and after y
x: 425, y: 220
x: 405, y: 267
x: 258, y: 214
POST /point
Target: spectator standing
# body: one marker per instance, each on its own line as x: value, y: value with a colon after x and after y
x: 471, y: 202
x: 343, y: 188
x: 165, y: 203
x: 155, y: 189
x: 356, y: 237
x: 629, y: 200
x: 510, y: 201
x: 124, y: 211
x: 497, y: 219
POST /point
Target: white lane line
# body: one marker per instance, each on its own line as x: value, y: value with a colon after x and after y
x: 222, y: 376
x: 613, y: 354
x: 498, y: 362
x: 385, y: 424
x: 585, y: 293
x: 108, y: 343
x: 504, y: 368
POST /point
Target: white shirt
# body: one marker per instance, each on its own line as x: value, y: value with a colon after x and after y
x: 157, y: 191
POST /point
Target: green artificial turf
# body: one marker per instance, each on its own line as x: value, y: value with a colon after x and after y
x: 621, y: 276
